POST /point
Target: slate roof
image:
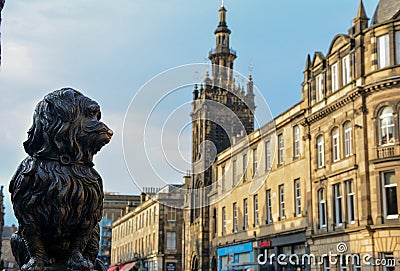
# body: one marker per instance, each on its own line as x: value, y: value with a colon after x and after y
x: 386, y: 10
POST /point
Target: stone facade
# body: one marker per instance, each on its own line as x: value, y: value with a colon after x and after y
x: 221, y: 109
x: 327, y: 169
x: 115, y: 206
x: 354, y: 194
x: 150, y: 235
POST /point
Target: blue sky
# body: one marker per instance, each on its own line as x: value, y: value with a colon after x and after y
x: 108, y: 50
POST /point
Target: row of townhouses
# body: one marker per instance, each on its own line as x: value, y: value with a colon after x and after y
x: 326, y: 170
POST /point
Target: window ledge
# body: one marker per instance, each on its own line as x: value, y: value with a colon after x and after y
x: 392, y: 217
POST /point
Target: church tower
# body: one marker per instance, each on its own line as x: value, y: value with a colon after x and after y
x: 221, y: 110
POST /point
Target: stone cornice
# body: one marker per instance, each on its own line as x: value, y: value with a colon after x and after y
x: 382, y: 84
x: 332, y: 107
x: 375, y: 86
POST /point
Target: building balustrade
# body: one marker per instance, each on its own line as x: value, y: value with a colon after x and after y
x: 387, y: 151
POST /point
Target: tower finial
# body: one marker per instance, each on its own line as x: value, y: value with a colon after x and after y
x: 361, y: 14
x: 361, y: 21
x: 222, y: 5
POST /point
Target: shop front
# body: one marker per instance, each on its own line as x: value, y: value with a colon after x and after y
x: 238, y: 257
x: 283, y: 253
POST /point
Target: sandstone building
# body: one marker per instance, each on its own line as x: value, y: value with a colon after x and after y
x: 329, y: 165
x: 220, y: 110
x: 149, y: 237
x: 114, y: 206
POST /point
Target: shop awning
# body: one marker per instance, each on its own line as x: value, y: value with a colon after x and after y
x: 128, y: 266
x: 112, y: 268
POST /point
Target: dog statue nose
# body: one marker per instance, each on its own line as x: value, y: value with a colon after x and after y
x: 110, y: 132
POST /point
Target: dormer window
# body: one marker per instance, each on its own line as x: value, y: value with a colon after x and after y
x: 319, y: 87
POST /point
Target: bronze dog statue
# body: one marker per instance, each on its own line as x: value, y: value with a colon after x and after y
x: 56, y: 193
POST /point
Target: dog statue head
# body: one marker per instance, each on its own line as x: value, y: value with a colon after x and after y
x: 67, y: 128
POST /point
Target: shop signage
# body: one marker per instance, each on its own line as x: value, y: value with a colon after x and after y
x: 265, y: 243
x: 236, y: 249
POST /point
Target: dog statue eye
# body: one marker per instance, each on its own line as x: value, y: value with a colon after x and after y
x: 94, y: 112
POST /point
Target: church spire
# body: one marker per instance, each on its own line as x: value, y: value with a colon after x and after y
x: 222, y: 55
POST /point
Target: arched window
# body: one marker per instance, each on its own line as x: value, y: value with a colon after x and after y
x: 335, y: 145
x: 386, y: 126
x: 320, y: 151
x: 348, y: 139
x: 322, y: 208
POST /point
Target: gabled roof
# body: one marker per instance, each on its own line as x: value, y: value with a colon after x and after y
x: 318, y: 58
x: 338, y: 41
x: 386, y: 10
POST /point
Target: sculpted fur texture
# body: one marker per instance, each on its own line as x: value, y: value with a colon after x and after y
x: 56, y: 193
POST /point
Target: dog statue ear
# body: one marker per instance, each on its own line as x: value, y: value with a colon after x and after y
x: 35, y: 139
x: 51, y: 120
x: 63, y: 103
